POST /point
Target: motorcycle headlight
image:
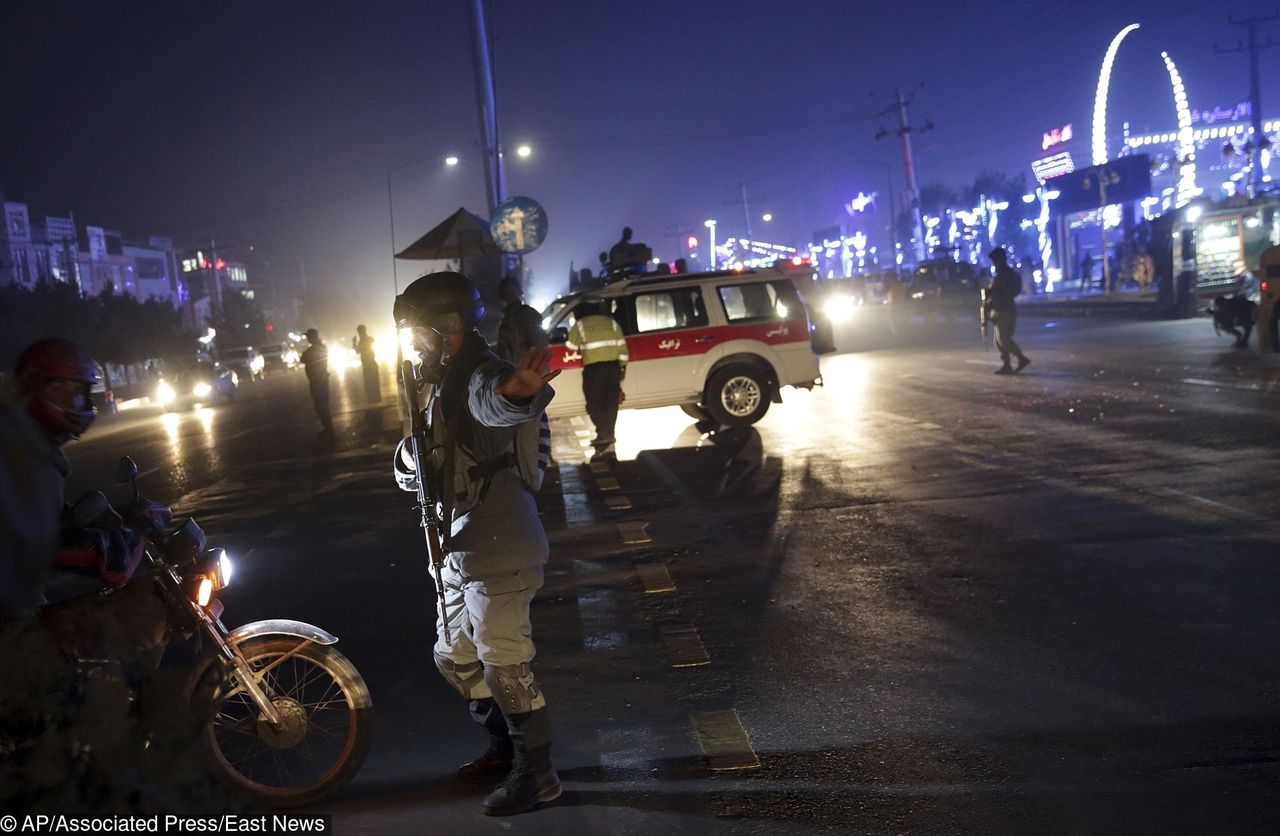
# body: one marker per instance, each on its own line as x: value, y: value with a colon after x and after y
x: 216, y: 566
x: 165, y: 393
x: 225, y: 568
x: 202, y: 390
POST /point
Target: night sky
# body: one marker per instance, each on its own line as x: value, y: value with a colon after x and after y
x: 275, y: 124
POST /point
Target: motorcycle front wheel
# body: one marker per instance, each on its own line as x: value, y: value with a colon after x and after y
x: 325, y: 731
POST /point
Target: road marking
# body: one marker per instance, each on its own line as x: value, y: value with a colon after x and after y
x: 684, y: 647
x: 1245, y: 387
x: 600, y: 611
x: 617, y: 502
x: 654, y: 577
x: 634, y: 532
x: 724, y: 741
x: 903, y: 419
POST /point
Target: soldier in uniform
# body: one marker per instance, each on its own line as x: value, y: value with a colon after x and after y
x: 487, y: 427
x: 316, y: 361
x: 604, y: 366
x: 521, y: 326
x: 1005, y: 287
x: 363, y: 345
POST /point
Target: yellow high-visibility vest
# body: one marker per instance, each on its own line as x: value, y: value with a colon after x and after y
x: 599, y: 339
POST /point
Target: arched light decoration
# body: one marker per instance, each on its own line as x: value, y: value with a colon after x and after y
x: 1186, y: 138
x: 1100, y: 98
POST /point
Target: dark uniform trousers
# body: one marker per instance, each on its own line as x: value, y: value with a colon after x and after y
x: 601, y: 386
x: 320, y: 399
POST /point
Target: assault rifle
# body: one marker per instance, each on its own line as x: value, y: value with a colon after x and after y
x: 430, y: 521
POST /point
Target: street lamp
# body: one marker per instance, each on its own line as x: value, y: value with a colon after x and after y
x: 766, y: 217
x: 451, y: 160
x: 711, y: 225
x: 524, y: 151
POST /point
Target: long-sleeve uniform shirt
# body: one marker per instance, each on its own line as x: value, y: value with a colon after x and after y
x: 520, y: 330
x: 496, y: 530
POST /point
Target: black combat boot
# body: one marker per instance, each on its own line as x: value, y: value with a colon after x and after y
x: 496, y: 762
x: 532, y: 780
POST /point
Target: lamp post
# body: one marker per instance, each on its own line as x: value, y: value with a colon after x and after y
x: 711, y: 226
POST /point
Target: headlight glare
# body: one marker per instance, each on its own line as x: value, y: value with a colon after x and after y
x: 165, y: 393
x: 202, y: 390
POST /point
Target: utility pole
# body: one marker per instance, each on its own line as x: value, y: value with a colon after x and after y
x: 391, y: 209
x: 1255, y: 97
x: 482, y: 60
x: 746, y: 212
x: 217, y: 283
x: 904, y: 131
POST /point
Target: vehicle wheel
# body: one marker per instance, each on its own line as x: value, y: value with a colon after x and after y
x: 737, y: 396
x: 323, y: 740
x: 694, y: 411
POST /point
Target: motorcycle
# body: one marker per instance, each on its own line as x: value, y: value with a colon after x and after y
x: 285, y: 716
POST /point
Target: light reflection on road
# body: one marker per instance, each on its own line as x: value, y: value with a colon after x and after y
x: 805, y: 420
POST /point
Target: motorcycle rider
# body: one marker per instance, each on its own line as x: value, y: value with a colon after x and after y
x: 479, y: 411
x: 50, y: 406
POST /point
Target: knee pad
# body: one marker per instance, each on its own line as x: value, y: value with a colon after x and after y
x: 514, y: 688
x: 468, y: 678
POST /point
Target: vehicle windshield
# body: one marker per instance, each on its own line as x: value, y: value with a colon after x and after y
x: 195, y: 372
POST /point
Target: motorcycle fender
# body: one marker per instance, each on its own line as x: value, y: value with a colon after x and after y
x: 281, y: 627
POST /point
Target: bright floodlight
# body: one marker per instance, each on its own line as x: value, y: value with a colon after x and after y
x: 768, y: 216
x: 450, y: 160
x: 524, y: 151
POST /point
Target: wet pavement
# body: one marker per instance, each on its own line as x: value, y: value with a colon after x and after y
x: 920, y: 599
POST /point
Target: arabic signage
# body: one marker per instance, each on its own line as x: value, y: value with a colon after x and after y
x: 1056, y: 136
x: 1118, y: 181
x: 1238, y: 113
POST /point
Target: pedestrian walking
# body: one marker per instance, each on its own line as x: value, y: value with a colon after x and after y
x: 604, y: 366
x: 485, y: 419
x: 1005, y: 287
x: 363, y: 345
x: 316, y: 361
x: 521, y: 325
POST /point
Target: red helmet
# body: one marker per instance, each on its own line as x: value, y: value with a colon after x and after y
x: 58, y: 358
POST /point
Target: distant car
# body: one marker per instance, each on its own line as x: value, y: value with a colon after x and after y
x: 247, y: 361
x: 944, y: 280
x: 196, y: 383
x: 279, y: 357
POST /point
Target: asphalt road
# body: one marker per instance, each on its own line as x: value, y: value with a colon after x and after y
x: 920, y: 599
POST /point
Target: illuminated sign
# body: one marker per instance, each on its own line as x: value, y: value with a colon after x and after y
x: 1238, y: 113
x: 1052, y: 166
x: 860, y: 203
x: 1057, y: 136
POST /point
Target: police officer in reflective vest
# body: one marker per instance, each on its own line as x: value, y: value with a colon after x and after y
x: 604, y: 365
x: 489, y: 444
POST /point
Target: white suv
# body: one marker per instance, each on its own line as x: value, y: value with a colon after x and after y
x: 719, y: 345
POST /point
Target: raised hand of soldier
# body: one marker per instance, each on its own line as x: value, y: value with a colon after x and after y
x: 533, y: 370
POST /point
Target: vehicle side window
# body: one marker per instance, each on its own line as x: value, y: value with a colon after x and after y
x: 759, y: 301
x: 666, y: 309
